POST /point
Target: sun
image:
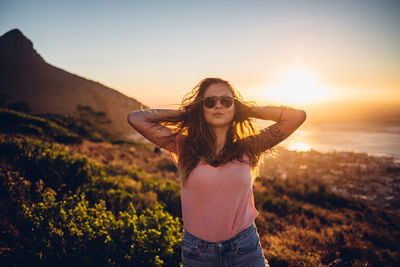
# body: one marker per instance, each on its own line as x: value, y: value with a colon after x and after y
x: 297, y: 86
x: 299, y: 146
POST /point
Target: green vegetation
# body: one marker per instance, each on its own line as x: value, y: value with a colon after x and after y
x: 66, y: 208
x: 279, y: 206
x: 166, y: 164
x: 18, y: 122
x: 76, y: 233
x: 36, y: 159
x: 305, y: 224
x: 99, y: 224
x: 16, y: 118
x: 89, y: 125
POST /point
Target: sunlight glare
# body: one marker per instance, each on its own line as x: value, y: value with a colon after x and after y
x: 298, y: 147
x: 298, y: 86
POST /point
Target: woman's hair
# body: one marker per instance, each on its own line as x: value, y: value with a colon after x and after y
x: 200, y: 138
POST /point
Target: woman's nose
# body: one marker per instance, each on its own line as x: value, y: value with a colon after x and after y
x: 218, y: 103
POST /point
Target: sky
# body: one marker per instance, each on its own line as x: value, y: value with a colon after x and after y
x: 296, y: 53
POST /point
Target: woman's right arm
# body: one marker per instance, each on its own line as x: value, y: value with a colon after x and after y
x: 146, y: 123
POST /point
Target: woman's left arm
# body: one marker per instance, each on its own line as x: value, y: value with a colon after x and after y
x: 287, y: 121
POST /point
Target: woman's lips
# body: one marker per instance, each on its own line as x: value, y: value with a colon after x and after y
x: 218, y: 114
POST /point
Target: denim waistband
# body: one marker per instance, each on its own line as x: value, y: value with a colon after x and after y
x: 232, y: 241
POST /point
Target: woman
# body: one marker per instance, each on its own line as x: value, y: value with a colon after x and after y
x: 215, y: 146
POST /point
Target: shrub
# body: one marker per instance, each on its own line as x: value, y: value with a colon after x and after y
x: 14, y: 191
x: 279, y: 206
x: 19, y: 122
x: 169, y: 194
x: 166, y: 164
x: 74, y: 233
x: 36, y: 159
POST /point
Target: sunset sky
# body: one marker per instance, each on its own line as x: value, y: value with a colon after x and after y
x: 273, y: 52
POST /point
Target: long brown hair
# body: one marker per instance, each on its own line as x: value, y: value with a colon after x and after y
x: 200, y: 138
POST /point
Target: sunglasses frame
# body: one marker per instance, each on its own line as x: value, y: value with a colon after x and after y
x: 220, y: 100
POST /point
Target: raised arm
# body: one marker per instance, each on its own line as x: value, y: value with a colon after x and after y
x: 145, y: 122
x: 288, y: 120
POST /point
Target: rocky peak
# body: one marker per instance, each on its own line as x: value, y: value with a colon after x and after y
x: 14, y: 43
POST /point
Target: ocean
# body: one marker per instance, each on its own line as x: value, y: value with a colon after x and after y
x: 361, y: 137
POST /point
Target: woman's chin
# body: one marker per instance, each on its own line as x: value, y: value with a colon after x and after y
x: 218, y: 124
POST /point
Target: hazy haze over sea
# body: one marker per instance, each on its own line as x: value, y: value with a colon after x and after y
x: 350, y: 136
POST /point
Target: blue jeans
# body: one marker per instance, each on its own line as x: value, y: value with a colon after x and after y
x: 244, y: 249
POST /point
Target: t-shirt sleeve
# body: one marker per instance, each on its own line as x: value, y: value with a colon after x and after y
x: 175, y: 156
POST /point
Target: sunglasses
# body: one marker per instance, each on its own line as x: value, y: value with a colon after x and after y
x: 211, y: 101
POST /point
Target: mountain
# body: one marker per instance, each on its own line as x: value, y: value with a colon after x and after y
x: 26, y: 76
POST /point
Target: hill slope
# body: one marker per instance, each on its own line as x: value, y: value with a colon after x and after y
x: 26, y: 76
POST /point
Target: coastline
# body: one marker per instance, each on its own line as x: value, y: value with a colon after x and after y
x: 374, y: 180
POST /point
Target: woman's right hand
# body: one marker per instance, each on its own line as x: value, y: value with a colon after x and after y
x: 244, y: 111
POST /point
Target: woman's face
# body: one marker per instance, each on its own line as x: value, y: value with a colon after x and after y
x: 218, y: 116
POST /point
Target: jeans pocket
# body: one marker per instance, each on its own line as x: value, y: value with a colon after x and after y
x: 189, y: 250
x: 248, y: 244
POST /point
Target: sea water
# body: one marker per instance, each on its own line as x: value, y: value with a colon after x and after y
x: 360, y: 137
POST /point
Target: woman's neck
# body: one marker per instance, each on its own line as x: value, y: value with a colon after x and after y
x: 220, y: 134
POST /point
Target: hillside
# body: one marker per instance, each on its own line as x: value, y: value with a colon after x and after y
x: 26, y: 76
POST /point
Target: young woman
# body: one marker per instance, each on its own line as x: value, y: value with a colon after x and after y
x: 215, y: 146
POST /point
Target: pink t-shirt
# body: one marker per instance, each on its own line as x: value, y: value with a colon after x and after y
x: 217, y: 202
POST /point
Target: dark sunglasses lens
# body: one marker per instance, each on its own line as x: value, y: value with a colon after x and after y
x: 227, y: 101
x: 210, y: 102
